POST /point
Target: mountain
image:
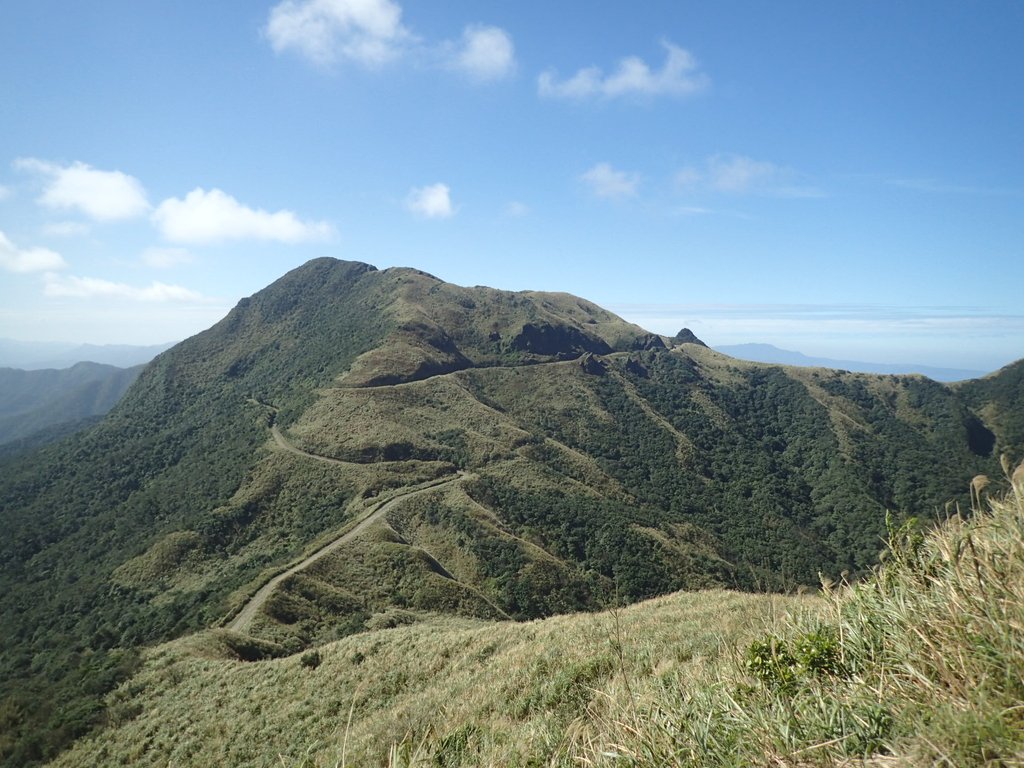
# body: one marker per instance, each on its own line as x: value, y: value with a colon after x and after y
x: 57, y: 401
x: 707, y: 679
x: 33, y: 356
x: 351, y: 445
x: 766, y: 353
x: 999, y: 400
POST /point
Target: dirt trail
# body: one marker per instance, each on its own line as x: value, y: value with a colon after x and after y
x: 241, y: 621
x: 282, y: 442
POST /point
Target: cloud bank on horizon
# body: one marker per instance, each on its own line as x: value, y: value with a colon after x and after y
x: 675, y: 150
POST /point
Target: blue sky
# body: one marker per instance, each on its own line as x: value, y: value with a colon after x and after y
x: 842, y: 179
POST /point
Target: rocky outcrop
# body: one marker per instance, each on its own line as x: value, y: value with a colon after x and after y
x: 637, y: 368
x: 649, y: 341
x: 686, y: 336
x: 593, y: 365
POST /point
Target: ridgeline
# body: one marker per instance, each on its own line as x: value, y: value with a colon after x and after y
x: 596, y: 464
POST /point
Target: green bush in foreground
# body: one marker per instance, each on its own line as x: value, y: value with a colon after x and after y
x: 920, y: 664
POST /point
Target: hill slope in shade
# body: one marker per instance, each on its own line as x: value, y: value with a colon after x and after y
x: 32, y: 401
x: 462, y: 452
x: 999, y: 399
x: 766, y: 353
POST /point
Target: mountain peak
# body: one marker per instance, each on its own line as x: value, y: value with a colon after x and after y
x: 686, y: 336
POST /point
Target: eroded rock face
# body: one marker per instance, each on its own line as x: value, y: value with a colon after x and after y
x: 593, y: 365
x: 637, y: 368
x: 557, y: 341
x: 650, y: 341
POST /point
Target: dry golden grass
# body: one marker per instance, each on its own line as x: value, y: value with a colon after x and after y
x: 477, y: 693
x: 920, y: 665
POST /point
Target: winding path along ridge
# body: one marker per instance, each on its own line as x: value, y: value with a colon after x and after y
x: 245, y: 616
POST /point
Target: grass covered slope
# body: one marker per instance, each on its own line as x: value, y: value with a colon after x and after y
x: 477, y: 693
x: 920, y: 664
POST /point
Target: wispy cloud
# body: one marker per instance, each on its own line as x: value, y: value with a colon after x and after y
x: 215, y: 216
x: 680, y: 75
x: 604, y: 181
x: 324, y: 32
x: 66, y: 229
x: 740, y: 175
x: 101, y: 195
x: 431, y: 202
x: 484, y: 54
x: 516, y: 209
x: 58, y: 286
x: 964, y: 336
x: 938, y: 187
x: 5, y: 192
x: 24, y: 260
x: 694, y: 210
x: 165, y: 258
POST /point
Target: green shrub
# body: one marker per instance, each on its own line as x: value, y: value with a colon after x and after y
x: 311, y: 659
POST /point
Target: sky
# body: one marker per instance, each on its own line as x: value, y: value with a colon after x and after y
x: 842, y: 179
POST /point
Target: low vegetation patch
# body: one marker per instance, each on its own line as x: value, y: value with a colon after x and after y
x: 920, y: 664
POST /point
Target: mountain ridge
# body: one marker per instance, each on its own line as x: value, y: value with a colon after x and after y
x: 602, y: 463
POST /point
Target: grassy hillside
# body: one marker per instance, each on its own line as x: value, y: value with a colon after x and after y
x: 919, y: 664
x: 143, y: 527
x: 493, y: 693
x: 567, y: 460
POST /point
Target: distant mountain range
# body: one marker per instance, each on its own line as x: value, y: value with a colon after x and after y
x: 39, y: 406
x: 766, y: 353
x: 37, y: 355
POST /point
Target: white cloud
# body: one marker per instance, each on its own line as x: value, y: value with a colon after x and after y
x: 215, y: 216
x: 96, y: 288
x: 14, y: 259
x: 5, y: 192
x: 369, y: 32
x: 740, y: 175
x: 605, y: 181
x: 486, y: 53
x: 688, y: 177
x: 431, y: 202
x: 165, y: 258
x: 66, y: 229
x: 679, y: 76
x: 101, y: 195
